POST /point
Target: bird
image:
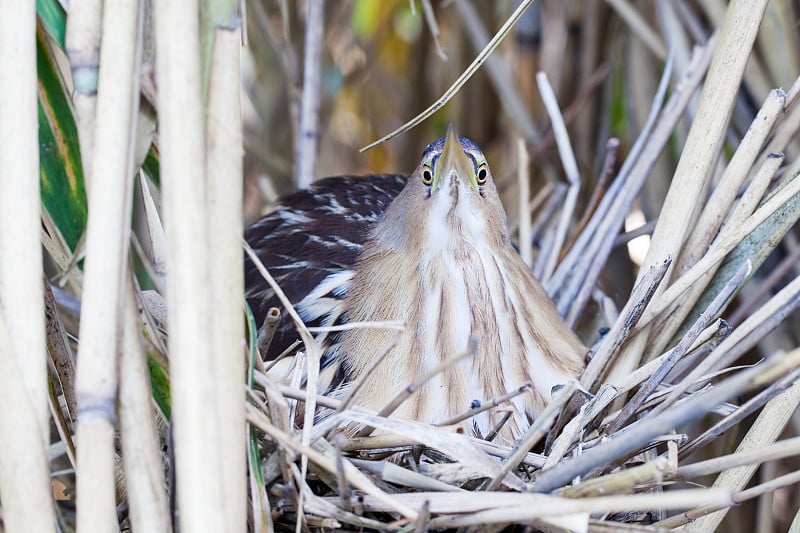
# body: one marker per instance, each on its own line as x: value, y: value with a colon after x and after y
x: 432, y: 251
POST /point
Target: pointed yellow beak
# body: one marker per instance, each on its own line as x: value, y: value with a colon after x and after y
x: 453, y: 159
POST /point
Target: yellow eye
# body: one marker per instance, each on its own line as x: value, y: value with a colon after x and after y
x: 483, y: 175
x: 427, y: 176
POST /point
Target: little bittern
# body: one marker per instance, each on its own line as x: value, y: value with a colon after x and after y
x: 434, y: 252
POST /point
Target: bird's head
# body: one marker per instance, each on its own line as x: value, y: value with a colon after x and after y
x: 450, y: 198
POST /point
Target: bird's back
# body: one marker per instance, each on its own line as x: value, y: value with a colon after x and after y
x: 314, y: 235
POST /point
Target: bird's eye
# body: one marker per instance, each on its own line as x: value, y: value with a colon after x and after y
x: 482, y: 176
x: 427, y: 176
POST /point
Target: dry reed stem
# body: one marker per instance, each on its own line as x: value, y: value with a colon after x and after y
x: 534, y: 434
x: 473, y: 508
x: 738, y: 498
x: 637, y: 302
x: 680, y: 309
x: 433, y: 26
x: 20, y: 225
x: 224, y: 178
x: 224, y: 181
x: 570, y: 170
x: 308, y: 138
x: 155, y: 230
x: 183, y: 177
x: 578, y: 273
x: 767, y: 427
x: 107, y: 238
x: 459, y: 447
x: 24, y: 472
x: 82, y: 45
x: 754, y: 456
x: 639, y: 26
x: 145, y: 482
x: 721, y: 247
x: 680, y: 349
x: 726, y: 190
x: 623, y: 481
x: 640, y: 433
x: 355, y: 477
x: 686, y: 192
x: 309, y: 368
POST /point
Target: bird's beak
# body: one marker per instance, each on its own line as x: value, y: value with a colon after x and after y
x: 455, y: 160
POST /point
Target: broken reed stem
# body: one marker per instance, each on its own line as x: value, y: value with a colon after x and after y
x: 680, y: 350
x: 534, y: 434
x: 638, y: 301
x: 639, y: 433
x: 747, y: 408
x: 267, y: 332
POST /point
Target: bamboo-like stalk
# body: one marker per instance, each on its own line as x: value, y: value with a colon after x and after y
x: 24, y: 470
x: 144, y: 476
x: 24, y: 479
x: 194, y: 392
x: 24, y: 430
x: 107, y: 237
x: 21, y: 291
x: 224, y: 181
x: 705, y: 138
x: 82, y: 44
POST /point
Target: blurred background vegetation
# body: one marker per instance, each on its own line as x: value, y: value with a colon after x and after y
x: 382, y: 64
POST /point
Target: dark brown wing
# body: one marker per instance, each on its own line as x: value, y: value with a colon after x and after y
x: 310, y: 244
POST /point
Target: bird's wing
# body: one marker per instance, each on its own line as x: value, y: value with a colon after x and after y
x: 310, y: 244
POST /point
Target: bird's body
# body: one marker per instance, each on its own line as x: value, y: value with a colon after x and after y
x: 439, y: 259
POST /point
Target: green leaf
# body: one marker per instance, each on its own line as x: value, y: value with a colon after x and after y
x: 151, y: 166
x: 52, y: 16
x: 159, y: 387
x: 62, y: 185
